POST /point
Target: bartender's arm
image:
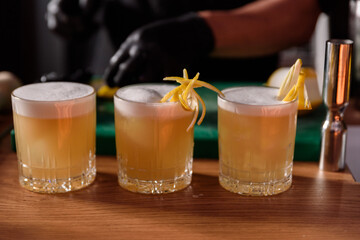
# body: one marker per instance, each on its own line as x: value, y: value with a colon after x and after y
x: 262, y: 27
x: 259, y: 28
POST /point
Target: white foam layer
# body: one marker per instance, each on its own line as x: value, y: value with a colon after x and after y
x: 53, y: 100
x: 253, y: 95
x: 145, y: 93
x: 259, y: 101
x: 53, y: 91
x: 144, y: 100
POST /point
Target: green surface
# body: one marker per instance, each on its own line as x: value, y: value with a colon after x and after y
x: 307, y: 143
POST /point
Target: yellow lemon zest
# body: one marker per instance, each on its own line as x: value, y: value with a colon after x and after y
x: 294, y: 87
x: 299, y: 91
x: 203, y: 107
x: 290, y: 79
x: 190, y: 86
x: 193, y: 121
x: 185, y: 74
x: 185, y: 93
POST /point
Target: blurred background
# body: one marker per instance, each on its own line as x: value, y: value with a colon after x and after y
x: 29, y: 49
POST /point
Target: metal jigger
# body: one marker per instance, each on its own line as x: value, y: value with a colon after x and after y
x: 336, y: 90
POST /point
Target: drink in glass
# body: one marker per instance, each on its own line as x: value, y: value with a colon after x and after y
x: 154, y: 148
x: 256, y: 141
x: 55, y: 135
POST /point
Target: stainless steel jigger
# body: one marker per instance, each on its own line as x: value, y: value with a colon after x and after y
x: 336, y: 88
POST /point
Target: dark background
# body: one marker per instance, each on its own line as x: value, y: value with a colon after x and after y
x: 28, y: 49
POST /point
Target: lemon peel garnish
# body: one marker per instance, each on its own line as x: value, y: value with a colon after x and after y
x: 299, y: 91
x: 294, y: 87
x: 185, y: 93
x: 290, y: 79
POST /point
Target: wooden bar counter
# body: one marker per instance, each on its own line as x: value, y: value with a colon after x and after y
x: 319, y: 205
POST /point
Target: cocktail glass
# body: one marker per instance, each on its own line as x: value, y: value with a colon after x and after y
x: 256, y: 141
x: 55, y: 135
x: 154, y: 148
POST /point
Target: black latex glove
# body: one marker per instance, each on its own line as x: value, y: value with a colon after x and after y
x: 72, y: 19
x: 122, y: 17
x: 160, y: 49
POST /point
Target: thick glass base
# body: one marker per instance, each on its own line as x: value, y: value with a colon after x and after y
x: 58, y: 185
x: 255, y: 189
x: 155, y: 187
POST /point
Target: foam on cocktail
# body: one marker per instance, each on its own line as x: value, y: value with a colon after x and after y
x: 53, y: 100
x: 144, y: 93
x: 252, y: 98
x: 53, y: 91
x: 150, y: 94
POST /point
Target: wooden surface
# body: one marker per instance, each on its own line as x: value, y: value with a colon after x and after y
x: 319, y: 205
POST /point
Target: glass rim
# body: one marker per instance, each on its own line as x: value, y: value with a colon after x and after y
x: 167, y: 103
x: 93, y: 92
x: 253, y: 105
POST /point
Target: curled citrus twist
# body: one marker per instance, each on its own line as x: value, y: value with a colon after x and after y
x: 186, y: 94
x: 299, y: 91
x: 294, y: 87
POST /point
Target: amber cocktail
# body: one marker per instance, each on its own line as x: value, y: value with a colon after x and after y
x: 154, y: 148
x: 256, y: 140
x: 55, y: 136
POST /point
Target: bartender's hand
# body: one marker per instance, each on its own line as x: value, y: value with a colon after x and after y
x: 72, y: 18
x: 159, y: 49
